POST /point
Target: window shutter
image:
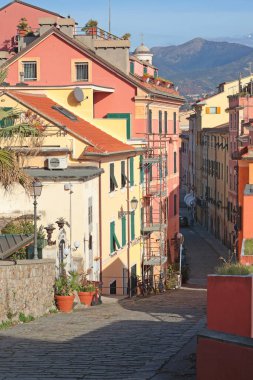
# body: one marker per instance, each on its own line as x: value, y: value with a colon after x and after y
x: 132, y: 225
x: 165, y: 122
x: 175, y: 162
x: 131, y: 171
x: 141, y: 170
x: 113, y: 182
x: 160, y: 121
x: 112, y: 228
x: 151, y: 214
x: 174, y: 123
x: 150, y: 169
x: 123, y: 225
x: 132, y: 67
x: 142, y: 217
x: 123, y: 174
x: 207, y: 109
x: 150, y: 121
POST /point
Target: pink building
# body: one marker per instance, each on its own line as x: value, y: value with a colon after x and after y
x: 149, y: 104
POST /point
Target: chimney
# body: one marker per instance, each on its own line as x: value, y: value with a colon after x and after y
x: 67, y: 26
x: 46, y: 23
x: 4, y: 55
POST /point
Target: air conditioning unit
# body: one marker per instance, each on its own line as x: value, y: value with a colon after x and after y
x: 54, y: 163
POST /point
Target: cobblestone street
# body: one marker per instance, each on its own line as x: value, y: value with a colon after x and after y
x: 120, y: 339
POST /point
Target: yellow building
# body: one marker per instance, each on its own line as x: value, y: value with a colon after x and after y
x: 213, y: 201
x: 109, y: 246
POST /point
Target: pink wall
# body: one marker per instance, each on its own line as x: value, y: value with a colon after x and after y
x: 221, y: 360
x: 229, y: 304
x: 10, y: 16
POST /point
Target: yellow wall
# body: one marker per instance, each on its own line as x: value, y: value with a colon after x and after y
x: 113, y: 264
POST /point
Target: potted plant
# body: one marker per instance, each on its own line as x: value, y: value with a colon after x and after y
x: 60, y: 221
x: 86, y: 291
x: 90, y: 27
x: 64, y: 288
x: 229, y: 299
x: 23, y: 26
x: 126, y: 36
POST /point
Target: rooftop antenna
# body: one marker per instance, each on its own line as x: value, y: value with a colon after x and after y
x: 109, y: 16
x: 249, y: 68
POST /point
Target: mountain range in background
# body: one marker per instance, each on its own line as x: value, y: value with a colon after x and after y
x: 198, y: 66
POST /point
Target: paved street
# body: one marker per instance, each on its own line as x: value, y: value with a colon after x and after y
x: 144, y: 338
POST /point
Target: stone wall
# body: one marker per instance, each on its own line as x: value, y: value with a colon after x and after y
x: 26, y: 287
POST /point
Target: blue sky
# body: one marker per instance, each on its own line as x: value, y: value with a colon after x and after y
x: 163, y: 22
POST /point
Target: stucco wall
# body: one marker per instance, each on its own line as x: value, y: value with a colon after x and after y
x: 26, y: 288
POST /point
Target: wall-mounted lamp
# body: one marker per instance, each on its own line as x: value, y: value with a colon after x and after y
x: 133, y: 203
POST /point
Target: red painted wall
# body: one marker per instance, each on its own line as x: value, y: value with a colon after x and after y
x: 229, y: 304
x: 218, y: 360
x: 10, y: 16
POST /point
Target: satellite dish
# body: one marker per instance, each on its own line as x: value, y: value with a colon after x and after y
x: 78, y: 94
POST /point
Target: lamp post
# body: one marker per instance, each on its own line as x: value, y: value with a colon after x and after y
x: 35, y: 192
x: 69, y: 187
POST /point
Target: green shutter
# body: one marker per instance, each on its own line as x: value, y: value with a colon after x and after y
x: 112, y: 229
x: 132, y: 67
x: 155, y: 74
x: 142, y: 217
x: 6, y: 118
x: 166, y: 122
x: 113, y: 238
x: 150, y: 121
x: 175, y: 122
x: 141, y: 170
x: 132, y: 225
x: 131, y: 171
x: 151, y: 214
x: 113, y: 182
x: 145, y: 70
x: 160, y: 122
x: 150, y: 169
x: 123, y: 225
x: 123, y: 174
x: 175, y: 162
x: 126, y: 116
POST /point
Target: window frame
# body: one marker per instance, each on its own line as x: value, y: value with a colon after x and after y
x: 87, y: 71
x: 24, y: 63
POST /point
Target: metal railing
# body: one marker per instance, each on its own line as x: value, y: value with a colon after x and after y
x: 96, y: 32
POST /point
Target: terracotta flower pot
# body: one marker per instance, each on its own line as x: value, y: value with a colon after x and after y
x: 64, y: 303
x: 86, y: 297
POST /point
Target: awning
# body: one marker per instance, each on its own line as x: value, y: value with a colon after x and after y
x: 155, y: 260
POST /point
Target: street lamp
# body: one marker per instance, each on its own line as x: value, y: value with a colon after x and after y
x: 35, y: 192
x: 133, y: 203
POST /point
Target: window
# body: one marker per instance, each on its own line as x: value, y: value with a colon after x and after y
x: 124, y: 178
x: 212, y: 110
x: 155, y: 74
x: 131, y: 161
x: 113, y: 182
x: 165, y: 122
x: 30, y: 71
x: 160, y: 122
x: 123, y: 228
x: 82, y: 72
x: 175, y: 204
x: 113, y: 287
x: 132, y: 225
x: 90, y: 242
x: 175, y: 162
x: 114, y: 243
x: 174, y: 123
x: 150, y: 170
x: 145, y: 70
x: 65, y: 112
x: 90, y: 210
x: 132, y: 67
x: 149, y: 121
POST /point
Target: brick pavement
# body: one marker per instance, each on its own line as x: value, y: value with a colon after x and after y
x: 129, y: 339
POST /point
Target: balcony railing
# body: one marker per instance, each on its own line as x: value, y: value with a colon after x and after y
x: 96, y: 33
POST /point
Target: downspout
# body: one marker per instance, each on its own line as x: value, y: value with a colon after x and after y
x: 128, y: 232
x: 100, y: 230
x: 215, y: 187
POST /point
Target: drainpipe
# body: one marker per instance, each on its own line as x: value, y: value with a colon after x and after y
x: 100, y: 229
x: 128, y: 232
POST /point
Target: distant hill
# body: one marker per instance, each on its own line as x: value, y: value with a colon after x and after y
x: 198, y: 66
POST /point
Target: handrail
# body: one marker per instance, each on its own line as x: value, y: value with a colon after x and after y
x: 95, y: 32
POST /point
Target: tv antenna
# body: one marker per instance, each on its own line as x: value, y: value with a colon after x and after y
x: 109, y: 16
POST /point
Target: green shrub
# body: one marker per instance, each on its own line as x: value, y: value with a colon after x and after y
x: 25, y: 319
x: 248, y: 247
x: 234, y: 269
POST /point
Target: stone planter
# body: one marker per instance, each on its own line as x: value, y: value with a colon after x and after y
x: 86, y: 297
x: 230, y: 304
x: 64, y: 303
